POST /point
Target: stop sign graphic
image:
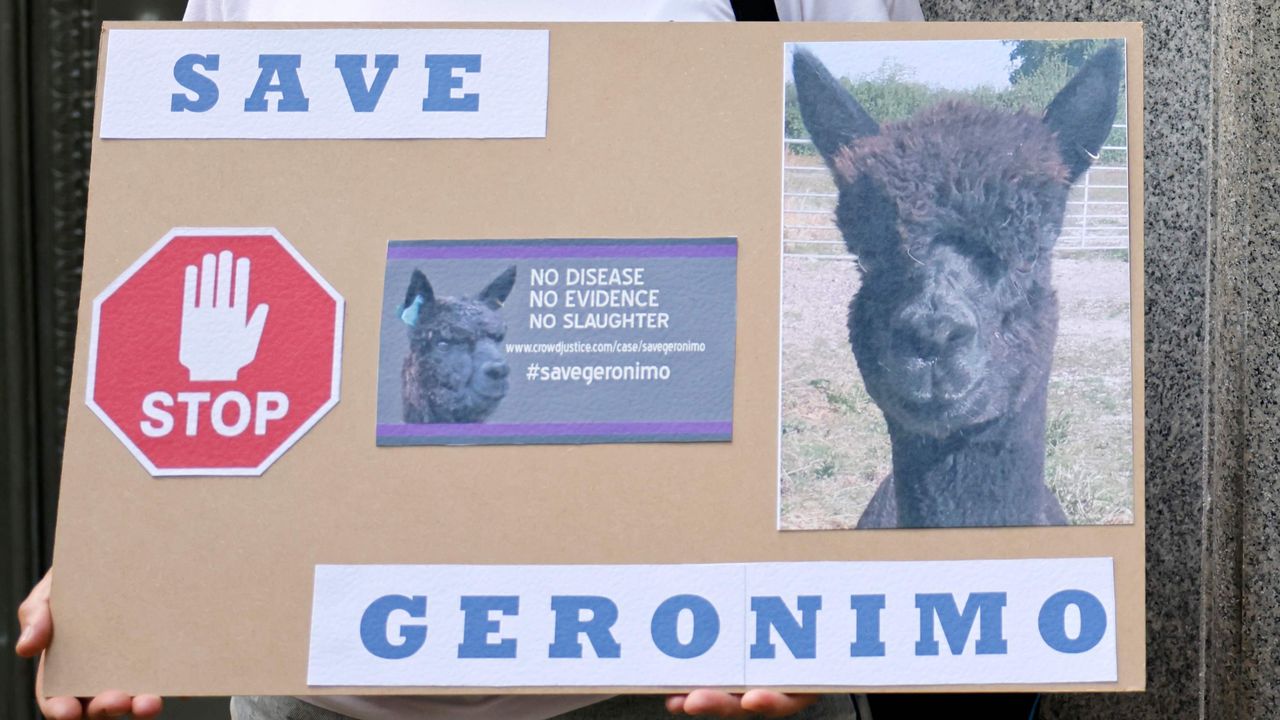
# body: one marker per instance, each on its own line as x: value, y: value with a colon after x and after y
x: 215, y: 352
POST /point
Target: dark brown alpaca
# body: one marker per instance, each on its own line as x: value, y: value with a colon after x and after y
x: 456, y: 370
x: 953, y: 215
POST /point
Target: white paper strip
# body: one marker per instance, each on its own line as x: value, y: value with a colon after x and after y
x: 283, y: 84
x: 780, y: 624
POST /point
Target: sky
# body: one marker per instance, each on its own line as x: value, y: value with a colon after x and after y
x: 949, y: 64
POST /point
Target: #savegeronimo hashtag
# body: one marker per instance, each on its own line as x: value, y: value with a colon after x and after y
x: 588, y: 374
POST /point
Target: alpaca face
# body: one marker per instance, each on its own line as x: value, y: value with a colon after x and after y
x: 952, y: 215
x: 456, y: 370
x: 953, y: 230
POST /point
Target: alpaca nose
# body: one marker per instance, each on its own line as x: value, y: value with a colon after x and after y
x: 941, y: 332
x: 497, y: 370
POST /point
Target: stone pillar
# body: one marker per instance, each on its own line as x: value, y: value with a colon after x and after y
x: 1212, y: 182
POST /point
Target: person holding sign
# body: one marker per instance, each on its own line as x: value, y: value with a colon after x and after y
x: 35, y: 613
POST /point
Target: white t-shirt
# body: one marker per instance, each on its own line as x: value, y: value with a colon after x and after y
x: 515, y: 707
x: 541, y: 10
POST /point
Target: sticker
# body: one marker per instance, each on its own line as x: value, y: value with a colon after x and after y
x: 215, y: 351
x: 557, y: 341
x: 283, y: 84
x: 783, y: 624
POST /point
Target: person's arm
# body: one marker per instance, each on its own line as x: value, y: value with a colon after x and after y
x: 36, y: 621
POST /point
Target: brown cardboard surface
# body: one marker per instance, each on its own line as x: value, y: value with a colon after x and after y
x: 195, y: 586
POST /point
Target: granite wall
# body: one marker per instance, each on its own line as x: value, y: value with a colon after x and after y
x: 1212, y: 347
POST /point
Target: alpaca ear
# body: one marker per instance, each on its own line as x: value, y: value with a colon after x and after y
x: 834, y: 119
x: 499, y: 289
x: 418, y: 296
x: 1083, y: 112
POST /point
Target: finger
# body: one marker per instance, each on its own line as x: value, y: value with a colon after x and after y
x: 713, y: 703
x: 147, y: 706
x: 37, y: 630
x: 773, y: 704
x: 675, y: 704
x: 59, y: 708
x: 223, y: 297
x: 242, y: 283
x: 257, y: 321
x: 110, y: 704
x: 208, y: 270
x: 35, y: 619
x: 189, y: 290
x: 38, y: 596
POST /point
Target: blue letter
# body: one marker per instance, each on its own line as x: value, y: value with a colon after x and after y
x: 801, y: 637
x: 441, y: 81
x: 365, y: 99
x: 206, y: 90
x: 569, y: 625
x: 956, y: 626
x: 867, y: 640
x: 373, y: 626
x: 1093, y: 621
x: 706, y: 626
x: 285, y: 68
x: 477, y: 627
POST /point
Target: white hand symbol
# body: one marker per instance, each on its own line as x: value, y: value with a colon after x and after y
x: 216, y: 341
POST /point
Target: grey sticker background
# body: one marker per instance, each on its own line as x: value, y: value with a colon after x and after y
x: 699, y: 294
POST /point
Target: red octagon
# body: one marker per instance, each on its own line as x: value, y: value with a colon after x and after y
x: 215, y: 351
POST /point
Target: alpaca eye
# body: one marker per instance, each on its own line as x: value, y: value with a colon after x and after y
x: 1027, y: 264
x: 989, y: 263
x: 982, y: 256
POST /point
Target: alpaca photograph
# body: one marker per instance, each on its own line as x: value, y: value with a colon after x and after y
x: 455, y: 369
x: 956, y: 321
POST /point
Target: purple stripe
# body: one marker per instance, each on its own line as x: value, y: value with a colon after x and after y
x: 520, y: 429
x: 424, y: 252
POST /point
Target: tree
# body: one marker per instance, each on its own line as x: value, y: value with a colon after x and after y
x: 1029, y: 56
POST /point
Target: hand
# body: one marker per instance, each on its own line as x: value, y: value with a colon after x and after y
x: 714, y: 703
x: 36, y: 620
x: 216, y: 339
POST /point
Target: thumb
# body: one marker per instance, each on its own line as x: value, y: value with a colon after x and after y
x: 37, y: 629
x: 36, y: 620
x: 259, y: 319
x: 55, y: 708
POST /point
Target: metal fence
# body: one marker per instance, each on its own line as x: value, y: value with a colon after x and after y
x: 1097, y: 216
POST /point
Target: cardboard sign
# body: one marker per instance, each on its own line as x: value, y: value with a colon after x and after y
x: 811, y: 362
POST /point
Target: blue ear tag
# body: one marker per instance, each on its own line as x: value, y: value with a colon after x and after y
x: 410, y: 314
